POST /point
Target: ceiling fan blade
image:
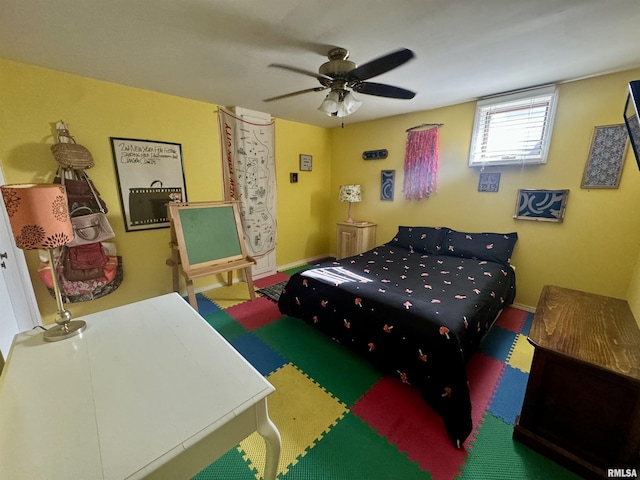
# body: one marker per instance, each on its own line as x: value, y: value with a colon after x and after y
x: 382, y: 90
x: 293, y: 94
x: 302, y: 71
x: 381, y: 65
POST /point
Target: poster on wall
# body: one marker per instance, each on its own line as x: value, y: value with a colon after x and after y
x: 150, y: 175
x: 249, y: 177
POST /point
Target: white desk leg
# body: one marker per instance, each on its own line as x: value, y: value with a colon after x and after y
x: 271, y: 436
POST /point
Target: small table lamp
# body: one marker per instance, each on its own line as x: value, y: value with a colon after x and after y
x: 350, y: 193
x: 39, y: 218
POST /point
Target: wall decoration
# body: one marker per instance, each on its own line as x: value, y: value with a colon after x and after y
x: 421, y: 164
x: 387, y: 182
x: 150, y: 175
x: 375, y: 154
x: 489, y: 182
x: 306, y: 163
x: 249, y: 175
x: 541, y: 205
x: 606, y: 157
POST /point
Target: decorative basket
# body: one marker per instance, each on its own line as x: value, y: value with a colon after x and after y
x: 70, y: 154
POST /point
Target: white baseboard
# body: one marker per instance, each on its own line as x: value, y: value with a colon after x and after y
x: 302, y: 262
x: 211, y: 286
x: 526, y: 308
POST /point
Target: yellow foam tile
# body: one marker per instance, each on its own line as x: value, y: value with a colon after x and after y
x: 302, y: 411
x: 521, y: 355
x: 228, y: 295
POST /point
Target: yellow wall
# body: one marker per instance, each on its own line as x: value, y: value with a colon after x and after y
x: 33, y: 99
x: 302, y: 213
x: 633, y: 294
x: 594, y: 249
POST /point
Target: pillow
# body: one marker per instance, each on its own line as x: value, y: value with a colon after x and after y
x: 493, y: 247
x: 419, y: 239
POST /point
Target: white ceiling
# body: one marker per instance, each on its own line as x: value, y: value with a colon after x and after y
x: 218, y: 51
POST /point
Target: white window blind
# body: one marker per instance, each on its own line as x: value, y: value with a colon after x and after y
x: 514, y: 128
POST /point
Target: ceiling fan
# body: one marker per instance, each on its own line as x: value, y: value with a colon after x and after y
x: 343, y: 77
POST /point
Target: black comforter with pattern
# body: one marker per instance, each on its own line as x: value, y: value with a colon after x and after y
x: 416, y: 312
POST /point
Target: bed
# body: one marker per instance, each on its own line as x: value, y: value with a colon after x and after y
x: 416, y: 307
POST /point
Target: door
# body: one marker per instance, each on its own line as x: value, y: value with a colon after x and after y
x: 18, y: 306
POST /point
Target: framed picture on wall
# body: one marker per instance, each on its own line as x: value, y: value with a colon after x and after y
x: 489, y: 182
x: 387, y: 183
x: 606, y: 157
x: 150, y: 175
x: 541, y: 205
x: 306, y: 163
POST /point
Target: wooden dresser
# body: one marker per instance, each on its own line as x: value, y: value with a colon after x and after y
x: 582, y: 403
x: 354, y: 238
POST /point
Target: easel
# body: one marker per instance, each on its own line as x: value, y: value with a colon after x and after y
x: 207, y: 239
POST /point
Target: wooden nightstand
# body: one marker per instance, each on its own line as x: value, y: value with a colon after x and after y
x: 354, y: 238
x: 582, y: 404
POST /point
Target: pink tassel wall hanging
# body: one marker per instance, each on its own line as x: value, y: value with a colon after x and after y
x: 421, y: 164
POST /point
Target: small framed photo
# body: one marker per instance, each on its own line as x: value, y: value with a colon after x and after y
x: 489, y: 182
x: 541, y: 205
x: 305, y: 163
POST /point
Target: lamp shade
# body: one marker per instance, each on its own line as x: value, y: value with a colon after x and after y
x: 38, y: 214
x: 348, y: 105
x: 330, y: 104
x: 350, y: 193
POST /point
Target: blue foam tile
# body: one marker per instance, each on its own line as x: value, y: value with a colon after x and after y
x: 258, y: 353
x: 526, y: 326
x: 205, y: 306
x: 507, y: 401
x: 498, y: 343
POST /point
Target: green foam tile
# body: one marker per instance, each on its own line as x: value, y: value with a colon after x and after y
x: 225, y: 325
x: 229, y: 466
x: 496, y: 455
x: 352, y: 450
x: 342, y: 373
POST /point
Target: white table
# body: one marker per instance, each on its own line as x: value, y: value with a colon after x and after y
x: 148, y: 390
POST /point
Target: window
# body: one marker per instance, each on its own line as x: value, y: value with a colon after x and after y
x: 514, y: 128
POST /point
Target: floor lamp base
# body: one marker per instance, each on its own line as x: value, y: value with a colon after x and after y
x: 66, y: 330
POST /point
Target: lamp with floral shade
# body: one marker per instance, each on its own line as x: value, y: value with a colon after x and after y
x: 39, y: 218
x: 351, y: 194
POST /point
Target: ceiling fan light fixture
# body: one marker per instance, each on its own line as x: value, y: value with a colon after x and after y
x: 342, y: 110
x: 351, y: 103
x: 330, y: 104
x: 340, y: 103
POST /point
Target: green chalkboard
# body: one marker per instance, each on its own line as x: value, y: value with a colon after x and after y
x: 210, y: 232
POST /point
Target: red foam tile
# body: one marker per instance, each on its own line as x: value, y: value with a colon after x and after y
x: 270, y: 280
x: 484, y: 374
x: 512, y: 319
x: 398, y: 412
x: 255, y: 314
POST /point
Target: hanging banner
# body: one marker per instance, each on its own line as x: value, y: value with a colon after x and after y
x: 249, y: 177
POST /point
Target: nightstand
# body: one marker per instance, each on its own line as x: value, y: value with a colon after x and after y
x: 354, y: 238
